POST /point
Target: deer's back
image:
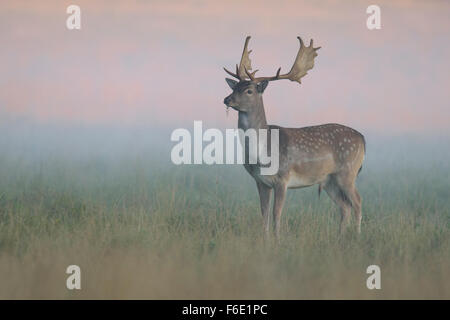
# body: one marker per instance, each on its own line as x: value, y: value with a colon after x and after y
x: 309, y: 155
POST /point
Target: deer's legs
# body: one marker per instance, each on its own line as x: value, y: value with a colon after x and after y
x: 355, y: 198
x: 345, y: 217
x: 347, y: 185
x: 264, y: 197
x: 280, y: 197
x: 339, y: 197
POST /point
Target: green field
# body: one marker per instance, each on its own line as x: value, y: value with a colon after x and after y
x: 140, y: 227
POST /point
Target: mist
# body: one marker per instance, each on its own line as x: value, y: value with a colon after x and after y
x: 36, y: 143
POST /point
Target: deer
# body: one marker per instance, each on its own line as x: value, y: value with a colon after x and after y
x: 328, y: 155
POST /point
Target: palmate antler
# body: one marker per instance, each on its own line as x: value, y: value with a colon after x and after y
x: 303, y: 62
x: 245, y: 64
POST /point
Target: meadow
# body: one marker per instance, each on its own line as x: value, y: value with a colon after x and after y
x: 140, y: 227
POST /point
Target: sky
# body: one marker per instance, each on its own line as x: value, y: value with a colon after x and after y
x: 159, y: 63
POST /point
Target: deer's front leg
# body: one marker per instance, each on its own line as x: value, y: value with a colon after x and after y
x: 264, y: 197
x: 280, y: 197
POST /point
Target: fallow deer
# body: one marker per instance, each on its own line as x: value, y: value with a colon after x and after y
x: 329, y: 155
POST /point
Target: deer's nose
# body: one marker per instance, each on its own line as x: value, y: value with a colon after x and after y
x: 226, y: 100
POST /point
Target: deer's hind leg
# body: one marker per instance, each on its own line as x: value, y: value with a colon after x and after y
x: 356, y: 204
x: 338, y: 195
x: 346, y: 183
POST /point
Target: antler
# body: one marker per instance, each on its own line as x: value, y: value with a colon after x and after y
x: 244, y: 65
x: 302, y: 64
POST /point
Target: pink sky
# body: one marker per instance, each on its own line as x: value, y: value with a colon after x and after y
x: 160, y: 62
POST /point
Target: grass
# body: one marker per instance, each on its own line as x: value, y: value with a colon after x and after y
x: 141, y: 228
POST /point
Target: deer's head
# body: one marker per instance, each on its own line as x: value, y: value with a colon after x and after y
x: 247, y: 92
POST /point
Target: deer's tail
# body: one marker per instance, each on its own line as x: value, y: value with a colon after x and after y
x: 364, y: 144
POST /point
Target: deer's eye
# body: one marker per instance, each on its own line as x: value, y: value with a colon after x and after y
x: 249, y: 91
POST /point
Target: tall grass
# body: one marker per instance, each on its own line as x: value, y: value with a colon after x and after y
x: 140, y: 227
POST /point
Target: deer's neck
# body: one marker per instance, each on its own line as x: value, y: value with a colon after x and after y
x: 253, y: 119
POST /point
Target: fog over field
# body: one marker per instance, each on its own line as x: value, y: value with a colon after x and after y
x: 36, y: 143
x: 109, y: 200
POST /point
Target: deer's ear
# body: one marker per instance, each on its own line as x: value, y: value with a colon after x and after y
x: 232, y: 83
x: 262, y: 86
